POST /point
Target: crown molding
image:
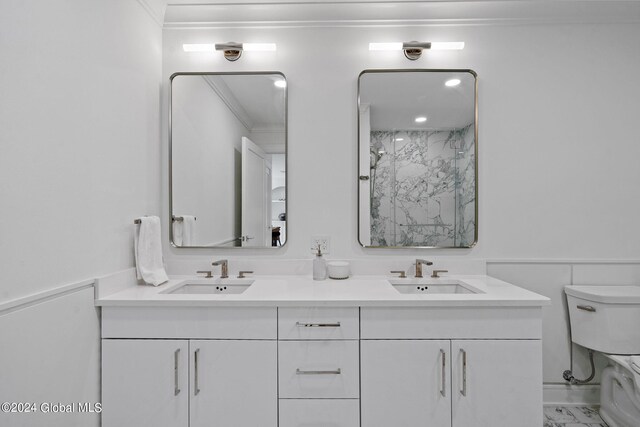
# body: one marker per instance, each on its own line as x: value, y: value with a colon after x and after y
x: 225, y: 94
x: 156, y: 15
x: 374, y: 13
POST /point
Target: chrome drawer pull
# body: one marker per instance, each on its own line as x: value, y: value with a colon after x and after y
x: 196, y: 386
x: 444, y: 373
x: 586, y: 308
x: 318, y: 325
x: 335, y: 372
x: 176, y: 387
x: 464, y: 373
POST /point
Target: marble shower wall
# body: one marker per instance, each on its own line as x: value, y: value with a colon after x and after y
x: 423, y: 188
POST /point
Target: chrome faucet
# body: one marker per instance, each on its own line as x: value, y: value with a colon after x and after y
x: 419, y: 263
x: 224, y: 267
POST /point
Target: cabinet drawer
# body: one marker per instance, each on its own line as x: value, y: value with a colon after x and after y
x: 451, y: 322
x: 318, y: 369
x: 318, y: 323
x: 319, y: 412
x: 190, y: 322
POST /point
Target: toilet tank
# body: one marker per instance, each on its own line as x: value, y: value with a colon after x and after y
x: 605, y: 318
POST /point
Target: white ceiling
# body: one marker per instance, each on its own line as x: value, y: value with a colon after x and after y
x: 395, y: 99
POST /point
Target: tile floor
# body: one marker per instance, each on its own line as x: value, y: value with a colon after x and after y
x: 572, y: 416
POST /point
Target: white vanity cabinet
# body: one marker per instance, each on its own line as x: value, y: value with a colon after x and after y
x: 370, y: 366
x: 218, y: 377
x: 411, y: 376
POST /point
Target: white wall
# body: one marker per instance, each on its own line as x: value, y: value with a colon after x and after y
x: 79, y: 160
x: 80, y: 157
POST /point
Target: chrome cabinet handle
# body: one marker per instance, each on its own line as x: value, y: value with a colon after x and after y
x: 586, y: 308
x: 176, y: 388
x: 443, y: 385
x: 464, y: 372
x: 196, y: 388
x: 318, y: 325
x: 334, y: 372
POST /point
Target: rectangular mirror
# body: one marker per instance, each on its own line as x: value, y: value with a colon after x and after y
x: 228, y: 160
x: 417, y: 132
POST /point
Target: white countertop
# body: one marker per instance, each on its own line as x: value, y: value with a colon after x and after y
x: 363, y: 291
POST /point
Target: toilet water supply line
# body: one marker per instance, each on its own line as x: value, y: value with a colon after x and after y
x: 568, y: 375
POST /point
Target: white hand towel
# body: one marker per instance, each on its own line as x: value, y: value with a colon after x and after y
x: 188, y: 230
x: 178, y: 233
x: 148, y: 251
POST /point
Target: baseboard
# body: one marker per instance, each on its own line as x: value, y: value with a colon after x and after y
x: 560, y: 394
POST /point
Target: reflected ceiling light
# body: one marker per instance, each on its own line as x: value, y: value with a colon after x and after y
x: 452, y: 82
x: 420, y: 119
x: 232, y: 51
x: 399, y: 139
x: 280, y: 83
x: 413, y: 50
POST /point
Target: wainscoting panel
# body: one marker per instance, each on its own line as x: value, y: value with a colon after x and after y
x: 50, y: 354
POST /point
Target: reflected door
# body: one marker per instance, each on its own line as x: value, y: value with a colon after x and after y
x: 256, y: 195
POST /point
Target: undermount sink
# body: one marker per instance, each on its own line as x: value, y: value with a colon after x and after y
x: 435, y: 286
x: 211, y: 286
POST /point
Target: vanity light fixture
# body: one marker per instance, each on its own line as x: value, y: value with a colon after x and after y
x: 232, y: 50
x: 452, y: 82
x: 420, y: 119
x: 413, y: 50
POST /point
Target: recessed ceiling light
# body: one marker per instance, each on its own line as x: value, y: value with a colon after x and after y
x: 452, y: 82
x: 280, y: 83
x: 420, y: 119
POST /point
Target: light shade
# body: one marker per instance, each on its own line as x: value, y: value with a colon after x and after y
x: 447, y: 45
x: 385, y: 46
x: 263, y: 47
x: 199, y: 47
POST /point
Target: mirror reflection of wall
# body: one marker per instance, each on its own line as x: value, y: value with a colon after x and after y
x: 417, y: 159
x: 228, y: 157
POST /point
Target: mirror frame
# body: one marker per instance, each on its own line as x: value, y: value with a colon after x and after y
x: 475, y: 117
x: 286, y: 154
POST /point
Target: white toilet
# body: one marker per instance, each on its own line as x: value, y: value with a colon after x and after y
x: 607, y: 319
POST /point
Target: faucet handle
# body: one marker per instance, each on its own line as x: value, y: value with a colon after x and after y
x: 208, y: 273
x: 434, y: 274
x: 402, y: 273
x: 241, y: 274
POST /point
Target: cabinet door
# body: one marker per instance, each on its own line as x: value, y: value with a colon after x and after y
x: 405, y: 383
x: 233, y: 383
x: 497, y: 383
x: 145, y: 383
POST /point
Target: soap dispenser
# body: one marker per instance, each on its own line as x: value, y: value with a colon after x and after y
x: 319, y: 266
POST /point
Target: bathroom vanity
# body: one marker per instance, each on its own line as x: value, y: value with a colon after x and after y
x: 287, y: 351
